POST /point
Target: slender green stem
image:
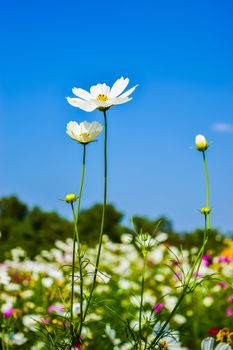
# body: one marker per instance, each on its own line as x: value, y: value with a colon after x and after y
x: 187, y: 288
x: 202, y: 250
x: 80, y: 269
x: 72, y: 285
x: 142, y: 296
x: 76, y: 238
x: 197, y: 262
x: 3, y: 343
x: 102, y: 220
x: 207, y: 189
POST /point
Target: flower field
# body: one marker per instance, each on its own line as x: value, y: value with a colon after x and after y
x: 143, y: 293
x: 35, y: 294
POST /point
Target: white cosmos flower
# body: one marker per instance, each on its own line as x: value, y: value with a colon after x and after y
x: 101, y: 96
x: 208, y: 344
x: 169, y: 339
x: 84, y: 132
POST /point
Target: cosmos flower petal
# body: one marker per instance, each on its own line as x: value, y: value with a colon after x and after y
x: 207, y: 344
x: 118, y: 87
x: 118, y: 101
x: 127, y: 93
x: 85, y: 95
x: 95, y: 127
x: 96, y: 90
x: 72, y: 129
x: 87, y: 106
x: 84, y: 132
x: 223, y: 346
x: 105, y: 89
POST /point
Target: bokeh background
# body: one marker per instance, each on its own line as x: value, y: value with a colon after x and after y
x: 179, y: 52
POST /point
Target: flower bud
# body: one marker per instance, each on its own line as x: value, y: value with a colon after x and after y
x: 205, y: 211
x: 144, y: 237
x: 158, y: 307
x: 201, y: 143
x: 70, y: 198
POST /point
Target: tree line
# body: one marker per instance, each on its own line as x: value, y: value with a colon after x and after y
x: 34, y: 229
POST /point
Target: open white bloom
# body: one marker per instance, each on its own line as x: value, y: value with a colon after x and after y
x: 208, y: 344
x: 201, y: 143
x: 101, y: 96
x: 169, y: 339
x: 84, y: 132
x: 12, y: 338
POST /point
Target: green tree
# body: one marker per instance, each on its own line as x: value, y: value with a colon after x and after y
x: 90, y: 220
x: 33, y: 230
x: 162, y: 224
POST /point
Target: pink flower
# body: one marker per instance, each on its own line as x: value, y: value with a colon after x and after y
x: 7, y: 313
x: 230, y: 299
x: 44, y: 321
x: 229, y: 311
x: 224, y: 259
x: 56, y: 308
x: 158, y: 307
x: 197, y: 274
x: 223, y: 284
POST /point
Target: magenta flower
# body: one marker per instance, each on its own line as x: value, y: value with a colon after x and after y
x: 206, y: 260
x: 7, y: 313
x: 77, y: 345
x: 230, y: 299
x: 158, y: 307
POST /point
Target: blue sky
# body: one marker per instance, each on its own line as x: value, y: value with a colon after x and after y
x: 181, y: 55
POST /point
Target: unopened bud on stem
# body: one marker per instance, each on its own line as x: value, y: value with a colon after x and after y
x: 201, y: 143
x: 70, y: 198
x: 205, y: 211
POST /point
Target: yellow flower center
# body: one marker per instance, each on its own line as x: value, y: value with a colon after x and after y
x: 102, y: 98
x: 163, y: 344
x: 84, y: 134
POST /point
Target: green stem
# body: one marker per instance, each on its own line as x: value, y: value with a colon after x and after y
x: 76, y: 238
x: 3, y: 343
x: 102, y: 220
x: 207, y: 189
x: 185, y: 291
x: 141, y: 301
x: 80, y: 270
x: 197, y: 261
x: 205, y: 239
x: 72, y: 286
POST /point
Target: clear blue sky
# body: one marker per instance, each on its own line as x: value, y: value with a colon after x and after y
x: 181, y: 54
